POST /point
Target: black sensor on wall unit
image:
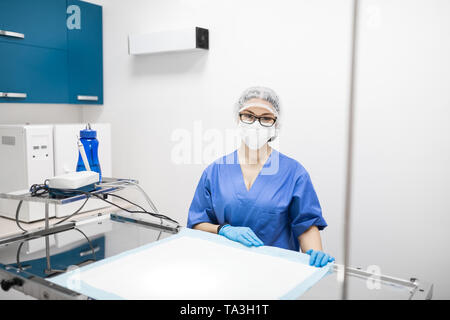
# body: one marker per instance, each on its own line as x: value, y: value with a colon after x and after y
x: 187, y: 39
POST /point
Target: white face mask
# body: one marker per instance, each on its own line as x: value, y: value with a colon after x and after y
x: 255, y: 135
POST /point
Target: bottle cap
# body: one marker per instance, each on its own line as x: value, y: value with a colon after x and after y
x: 88, y: 134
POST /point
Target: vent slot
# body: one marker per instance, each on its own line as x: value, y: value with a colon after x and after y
x: 9, y: 140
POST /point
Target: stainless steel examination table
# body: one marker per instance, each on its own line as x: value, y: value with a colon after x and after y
x: 110, y: 234
x: 29, y: 259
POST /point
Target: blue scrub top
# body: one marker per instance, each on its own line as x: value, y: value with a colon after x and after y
x: 280, y: 205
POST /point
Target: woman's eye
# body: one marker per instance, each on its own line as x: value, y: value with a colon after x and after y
x: 267, y: 120
x: 248, y: 117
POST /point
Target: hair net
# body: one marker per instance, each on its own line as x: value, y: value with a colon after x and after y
x: 262, y: 93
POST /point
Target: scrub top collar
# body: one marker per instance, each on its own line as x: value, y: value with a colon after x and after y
x: 238, y: 178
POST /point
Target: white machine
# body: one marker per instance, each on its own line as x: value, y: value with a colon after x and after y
x: 73, y: 180
x: 26, y: 158
x: 29, y: 154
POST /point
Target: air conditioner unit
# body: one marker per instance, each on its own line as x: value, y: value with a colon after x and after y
x: 187, y: 39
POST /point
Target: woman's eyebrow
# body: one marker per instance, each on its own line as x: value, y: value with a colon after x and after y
x: 261, y: 115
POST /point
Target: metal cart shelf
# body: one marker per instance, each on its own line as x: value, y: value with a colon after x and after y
x: 108, y: 185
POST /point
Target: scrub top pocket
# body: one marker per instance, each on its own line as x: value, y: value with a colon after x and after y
x: 269, y: 224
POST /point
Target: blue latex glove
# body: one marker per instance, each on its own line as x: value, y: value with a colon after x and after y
x: 318, y: 258
x: 244, y: 235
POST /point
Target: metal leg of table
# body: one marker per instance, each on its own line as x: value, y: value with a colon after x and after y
x: 47, y: 240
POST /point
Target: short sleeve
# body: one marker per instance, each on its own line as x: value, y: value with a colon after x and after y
x: 304, y: 209
x: 201, y: 209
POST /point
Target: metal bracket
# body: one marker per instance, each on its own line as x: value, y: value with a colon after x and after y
x: 151, y: 225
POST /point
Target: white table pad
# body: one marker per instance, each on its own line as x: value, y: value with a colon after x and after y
x: 196, y: 265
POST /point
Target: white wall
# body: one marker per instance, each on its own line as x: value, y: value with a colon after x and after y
x: 402, y: 173
x: 33, y: 113
x: 299, y: 48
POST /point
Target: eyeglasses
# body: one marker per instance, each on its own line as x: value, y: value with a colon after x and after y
x: 249, y: 118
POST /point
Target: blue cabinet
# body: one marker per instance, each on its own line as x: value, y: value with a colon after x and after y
x: 85, y: 53
x: 42, y: 60
x: 40, y: 73
x: 40, y: 22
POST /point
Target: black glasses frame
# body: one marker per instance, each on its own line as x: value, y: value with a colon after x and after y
x: 259, y: 119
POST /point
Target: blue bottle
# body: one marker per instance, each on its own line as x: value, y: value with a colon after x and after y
x: 88, y: 138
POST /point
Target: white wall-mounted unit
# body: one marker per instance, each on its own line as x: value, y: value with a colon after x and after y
x: 187, y: 39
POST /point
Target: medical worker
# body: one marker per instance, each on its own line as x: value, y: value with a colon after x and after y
x: 257, y: 195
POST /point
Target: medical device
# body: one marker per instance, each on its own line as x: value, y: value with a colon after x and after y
x: 78, y: 181
x: 29, y: 154
x: 67, y: 156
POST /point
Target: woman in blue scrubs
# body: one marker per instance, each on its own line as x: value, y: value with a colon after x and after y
x: 257, y: 195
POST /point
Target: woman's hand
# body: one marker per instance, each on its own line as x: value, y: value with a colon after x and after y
x: 318, y: 258
x: 244, y: 235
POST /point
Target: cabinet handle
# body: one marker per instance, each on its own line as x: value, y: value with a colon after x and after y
x: 12, y: 95
x: 87, y: 252
x: 12, y: 34
x: 87, y: 98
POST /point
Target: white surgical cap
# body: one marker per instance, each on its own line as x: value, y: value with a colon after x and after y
x: 262, y: 93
